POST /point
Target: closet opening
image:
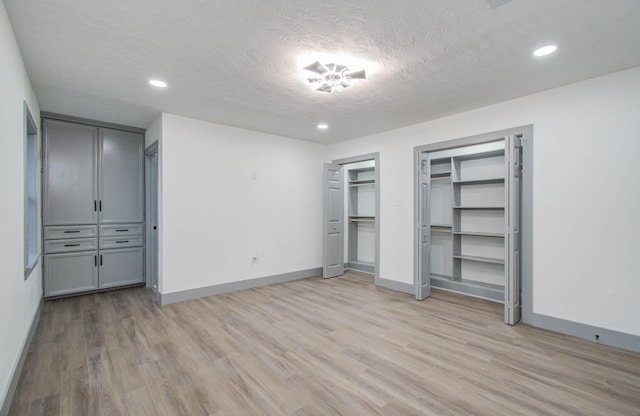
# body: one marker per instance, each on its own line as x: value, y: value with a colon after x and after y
x: 352, y: 212
x: 469, y: 216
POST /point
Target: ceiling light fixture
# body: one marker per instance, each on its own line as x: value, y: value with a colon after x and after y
x: 332, y: 77
x: 158, y: 83
x: 545, y: 50
x: 323, y: 126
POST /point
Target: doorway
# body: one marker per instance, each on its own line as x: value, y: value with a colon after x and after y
x: 151, y: 188
x: 473, y: 229
x: 352, y: 216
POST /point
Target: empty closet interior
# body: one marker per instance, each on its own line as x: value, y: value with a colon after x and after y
x: 470, y: 221
x: 360, y: 210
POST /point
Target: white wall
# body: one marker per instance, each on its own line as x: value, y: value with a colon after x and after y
x: 19, y: 299
x: 586, y: 209
x: 215, y: 215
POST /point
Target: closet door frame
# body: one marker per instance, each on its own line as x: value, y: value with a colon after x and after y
x: 526, y: 248
x: 362, y: 158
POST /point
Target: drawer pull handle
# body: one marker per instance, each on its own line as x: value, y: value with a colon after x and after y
x: 72, y: 232
x: 72, y: 245
x: 122, y: 241
x: 122, y: 230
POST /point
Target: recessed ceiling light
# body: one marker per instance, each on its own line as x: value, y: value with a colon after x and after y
x: 158, y: 83
x: 545, y: 50
x: 323, y: 126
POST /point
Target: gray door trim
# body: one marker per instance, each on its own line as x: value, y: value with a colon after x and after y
x: 149, y: 257
x: 526, y: 131
x: 96, y: 123
x: 512, y: 204
x: 362, y: 158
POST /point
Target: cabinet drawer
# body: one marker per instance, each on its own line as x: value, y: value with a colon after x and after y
x: 70, y: 231
x: 71, y: 244
x: 120, y: 241
x: 120, y: 230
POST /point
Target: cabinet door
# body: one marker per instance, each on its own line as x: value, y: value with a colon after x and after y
x: 121, y: 267
x: 121, y: 177
x: 333, y: 262
x: 69, y: 173
x: 70, y: 273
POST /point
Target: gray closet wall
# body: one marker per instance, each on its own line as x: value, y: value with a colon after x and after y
x: 361, y: 212
x: 93, y: 207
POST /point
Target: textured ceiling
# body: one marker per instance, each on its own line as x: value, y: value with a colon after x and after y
x: 237, y: 62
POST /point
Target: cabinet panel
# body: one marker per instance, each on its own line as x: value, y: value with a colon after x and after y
x: 120, y: 229
x: 70, y: 231
x: 69, y: 177
x: 121, y: 267
x: 122, y: 241
x: 72, y: 244
x: 70, y: 273
x: 121, y: 177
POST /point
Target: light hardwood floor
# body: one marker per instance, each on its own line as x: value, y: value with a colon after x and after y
x: 313, y: 347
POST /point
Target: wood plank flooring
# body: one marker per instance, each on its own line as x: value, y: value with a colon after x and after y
x: 313, y: 347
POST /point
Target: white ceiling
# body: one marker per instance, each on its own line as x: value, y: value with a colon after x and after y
x: 236, y: 62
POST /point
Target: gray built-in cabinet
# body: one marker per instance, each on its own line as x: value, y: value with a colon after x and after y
x: 93, y: 207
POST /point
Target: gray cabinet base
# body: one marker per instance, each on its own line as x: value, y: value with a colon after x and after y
x: 69, y: 273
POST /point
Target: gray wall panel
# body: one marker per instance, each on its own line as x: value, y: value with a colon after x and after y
x: 69, y: 177
x: 121, y: 177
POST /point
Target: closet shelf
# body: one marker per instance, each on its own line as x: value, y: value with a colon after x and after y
x: 365, y: 182
x: 441, y: 230
x: 476, y: 207
x: 441, y: 225
x: 478, y: 258
x: 440, y: 178
x: 479, y: 234
x: 479, y: 181
x: 362, y: 219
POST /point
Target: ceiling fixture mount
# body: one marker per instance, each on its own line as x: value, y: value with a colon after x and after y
x: 332, y: 77
x: 158, y: 83
x: 545, y: 50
